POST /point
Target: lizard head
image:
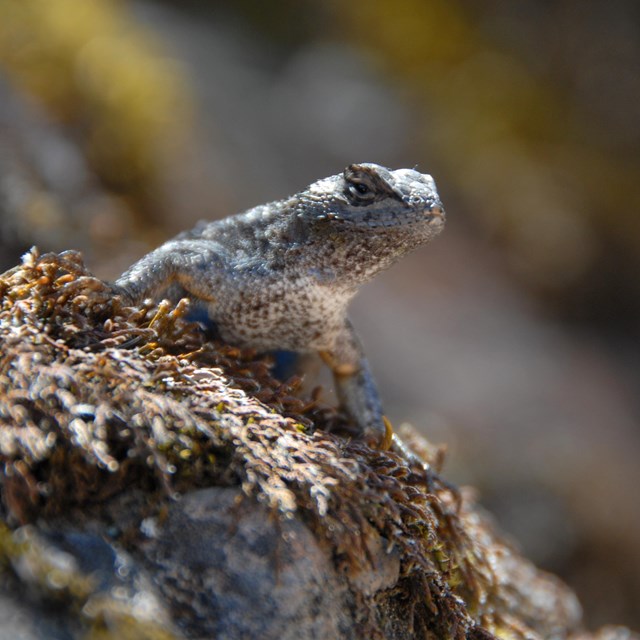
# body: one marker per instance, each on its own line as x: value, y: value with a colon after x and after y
x: 363, y: 220
x: 377, y: 200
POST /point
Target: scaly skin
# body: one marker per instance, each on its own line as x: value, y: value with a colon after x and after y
x: 281, y: 275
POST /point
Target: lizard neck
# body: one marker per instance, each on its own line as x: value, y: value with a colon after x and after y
x: 356, y: 257
x: 346, y: 257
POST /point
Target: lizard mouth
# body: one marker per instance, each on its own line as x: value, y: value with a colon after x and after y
x: 435, y: 214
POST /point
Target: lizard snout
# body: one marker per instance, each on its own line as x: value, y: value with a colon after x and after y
x: 435, y: 213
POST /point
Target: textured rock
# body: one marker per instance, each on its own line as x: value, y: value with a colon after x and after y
x: 245, y: 567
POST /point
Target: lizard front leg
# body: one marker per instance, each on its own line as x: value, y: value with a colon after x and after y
x: 356, y: 389
x: 194, y: 265
x: 358, y: 395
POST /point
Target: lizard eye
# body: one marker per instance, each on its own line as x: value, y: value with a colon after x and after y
x: 361, y: 185
x: 360, y: 192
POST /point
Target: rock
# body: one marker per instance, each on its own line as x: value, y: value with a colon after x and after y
x: 157, y: 484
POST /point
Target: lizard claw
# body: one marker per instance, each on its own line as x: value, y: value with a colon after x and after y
x: 391, y: 441
x: 387, y: 441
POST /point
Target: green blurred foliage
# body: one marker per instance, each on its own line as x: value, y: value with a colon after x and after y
x: 103, y: 76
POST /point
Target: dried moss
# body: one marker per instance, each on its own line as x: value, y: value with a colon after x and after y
x: 100, y: 401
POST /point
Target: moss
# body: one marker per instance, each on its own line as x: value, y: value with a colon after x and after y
x: 100, y: 401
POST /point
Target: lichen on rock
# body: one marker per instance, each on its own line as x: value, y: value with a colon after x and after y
x: 167, y: 468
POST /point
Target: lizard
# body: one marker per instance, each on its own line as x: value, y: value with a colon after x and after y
x: 281, y: 275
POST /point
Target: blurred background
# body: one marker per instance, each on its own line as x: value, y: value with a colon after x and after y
x: 514, y: 338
